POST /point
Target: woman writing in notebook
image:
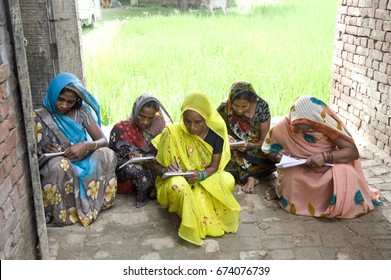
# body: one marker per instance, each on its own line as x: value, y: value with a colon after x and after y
x: 198, y: 144
x: 80, y: 182
x: 247, y: 118
x: 132, y: 138
x: 331, y: 183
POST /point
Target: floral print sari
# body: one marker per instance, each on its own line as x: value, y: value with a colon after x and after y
x: 73, y: 191
x: 251, y: 163
x: 339, y: 191
x: 127, y: 136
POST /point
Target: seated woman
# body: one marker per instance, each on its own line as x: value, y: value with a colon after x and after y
x: 132, y: 138
x: 312, y: 131
x: 80, y: 182
x: 247, y: 118
x: 198, y: 144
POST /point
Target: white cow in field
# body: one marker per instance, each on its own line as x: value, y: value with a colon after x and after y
x: 212, y: 5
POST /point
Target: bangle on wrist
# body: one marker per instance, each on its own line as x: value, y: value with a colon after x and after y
x: 205, y: 175
x: 331, y: 157
x: 199, y: 175
x: 85, y: 147
x: 202, y: 175
x: 324, y: 157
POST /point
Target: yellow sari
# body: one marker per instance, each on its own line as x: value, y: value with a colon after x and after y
x: 206, y: 207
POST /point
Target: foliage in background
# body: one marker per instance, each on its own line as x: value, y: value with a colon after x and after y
x: 283, y: 47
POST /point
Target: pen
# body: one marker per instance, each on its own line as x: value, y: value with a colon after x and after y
x: 177, y: 164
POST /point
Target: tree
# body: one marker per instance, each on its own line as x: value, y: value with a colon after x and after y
x: 184, y: 6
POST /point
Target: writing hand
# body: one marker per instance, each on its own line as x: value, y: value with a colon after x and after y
x: 133, y: 154
x: 53, y: 148
x: 173, y: 166
x: 315, y: 160
x: 231, y: 139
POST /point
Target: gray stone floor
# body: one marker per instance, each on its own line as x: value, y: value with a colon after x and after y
x: 265, y: 231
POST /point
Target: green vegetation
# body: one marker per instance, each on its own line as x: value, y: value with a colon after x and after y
x: 283, y: 47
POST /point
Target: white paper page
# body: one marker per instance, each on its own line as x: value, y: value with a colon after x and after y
x: 173, y: 173
x: 239, y: 143
x: 287, y: 161
x: 136, y: 160
x: 53, y: 154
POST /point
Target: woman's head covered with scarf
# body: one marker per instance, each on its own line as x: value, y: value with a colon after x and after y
x: 239, y: 90
x: 313, y: 112
x: 74, y: 131
x: 142, y: 100
x: 199, y: 102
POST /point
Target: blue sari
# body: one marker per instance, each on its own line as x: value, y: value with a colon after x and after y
x: 96, y: 170
x: 74, y: 131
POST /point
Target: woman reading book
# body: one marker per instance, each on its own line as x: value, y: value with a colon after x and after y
x: 247, y: 118
x: 198, y: 144
x: 131, y: 138
x: 331, y: 183
x: 79, y: 182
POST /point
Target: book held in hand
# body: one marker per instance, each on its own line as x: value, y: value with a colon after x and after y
x: 50, y: 155
x: 176, y: 173
x: 287, y: 161
x: 44, y: 158
x: 136, y: 160
x: 235, y: 144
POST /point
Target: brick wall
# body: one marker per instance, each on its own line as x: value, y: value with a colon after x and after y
x: 361, y: 86
x: 17, y: 228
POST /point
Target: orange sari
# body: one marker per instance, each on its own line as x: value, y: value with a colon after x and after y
x: 339, y: 191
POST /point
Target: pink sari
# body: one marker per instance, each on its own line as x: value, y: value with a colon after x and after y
x: 340, y: 191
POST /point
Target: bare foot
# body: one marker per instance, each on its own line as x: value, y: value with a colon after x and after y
x: 271, y: 194
x: 249, y: 186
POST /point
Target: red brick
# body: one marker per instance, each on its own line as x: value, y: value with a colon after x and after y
x: 3, y: 91
x: 16, y: 173
x: 22, y: 186
x: 5, y: 190
x: 1, y: 175
x: 4, y: 130
x: 4, y: 72
x: 14, y: 156
x: 4, y: 109
x: 10, y: 142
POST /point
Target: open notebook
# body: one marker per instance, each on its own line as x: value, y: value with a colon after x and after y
x: 174, y: 173
x: 287, y: 161
x: 44, y: 158
x: 136, y: 160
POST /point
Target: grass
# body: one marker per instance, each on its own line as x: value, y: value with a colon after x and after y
x: 283, y: 47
